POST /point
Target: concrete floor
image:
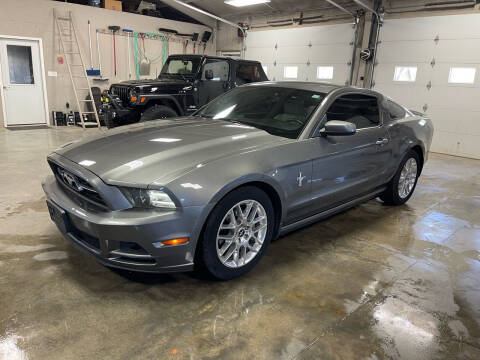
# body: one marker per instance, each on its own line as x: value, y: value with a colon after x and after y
x: 372, y: 283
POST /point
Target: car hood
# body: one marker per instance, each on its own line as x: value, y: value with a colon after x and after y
x: 162, y: 150
x: 153, y: 82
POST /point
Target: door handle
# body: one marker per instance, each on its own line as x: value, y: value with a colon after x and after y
x: 382, y: 141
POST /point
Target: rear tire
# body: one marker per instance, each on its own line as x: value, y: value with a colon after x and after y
x: 158, y: 112
x: 402, y: 185
x: 249, y: 238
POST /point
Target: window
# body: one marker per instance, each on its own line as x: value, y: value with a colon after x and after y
x: 325, y: 72
x: 183, y: 66
x: 247, y: 73
x: 405, y: 73
x: 290, y: 72
x: 279, y: 111
x: 220, y: 69
x: 395, y: 110
x: 20, y: 66
x: 362, y: 110
x: 265, y: 69
x: 461, y: 75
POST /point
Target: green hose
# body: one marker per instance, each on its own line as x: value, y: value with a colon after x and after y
x: 138, y: 50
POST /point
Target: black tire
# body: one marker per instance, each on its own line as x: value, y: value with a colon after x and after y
x: 207, y: 251
x: 391, y: 195
x: 158, y: 112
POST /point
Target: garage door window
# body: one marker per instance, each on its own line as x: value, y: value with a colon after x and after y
x: 461, y: 75
x: 290, y: 72
x: 405, y: 74
x: 362, y: 110
x: 325, y: 72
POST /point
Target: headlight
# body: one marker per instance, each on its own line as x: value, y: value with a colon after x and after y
x: 147, y: 199
x: 132, y: 95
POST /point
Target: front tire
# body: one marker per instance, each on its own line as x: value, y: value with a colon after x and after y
x: 237, y: 233
x: 402, y: 185
x: 158, y: 112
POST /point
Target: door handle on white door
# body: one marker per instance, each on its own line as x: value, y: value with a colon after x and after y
x: 382, y: 141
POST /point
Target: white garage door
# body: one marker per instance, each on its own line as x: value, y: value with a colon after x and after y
x: 318, y: 53
x: 432, y: 64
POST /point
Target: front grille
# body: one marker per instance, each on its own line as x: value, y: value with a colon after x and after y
x: 79, y: 188
x: 122, y: 92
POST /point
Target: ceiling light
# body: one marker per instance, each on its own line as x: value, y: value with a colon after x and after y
x: 239, y: 3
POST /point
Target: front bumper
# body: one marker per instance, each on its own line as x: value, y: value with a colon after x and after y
x: 127, y: 239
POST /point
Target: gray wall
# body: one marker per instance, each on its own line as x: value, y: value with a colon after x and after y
x: 34, y: 18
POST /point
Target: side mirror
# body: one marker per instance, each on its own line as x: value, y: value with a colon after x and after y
x: 209, y: 74
x: 338, y: 128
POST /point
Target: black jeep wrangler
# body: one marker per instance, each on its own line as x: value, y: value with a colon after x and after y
x: 186, y: 83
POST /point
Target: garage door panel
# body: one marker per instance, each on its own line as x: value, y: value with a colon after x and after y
x: 454, y: 108
x: 459, y: 121
x: 443, y: 142
x: 256, y: 53
x: 454, y: 97
x: 442, y: 71
x: 406, y: 51
x: 455, y: 144
x: 429, y: 27
x: 385, y: 72
x: 452, y: 50
x: 404, y: 95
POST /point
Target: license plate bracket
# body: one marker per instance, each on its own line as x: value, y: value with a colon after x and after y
x: 59, y: 217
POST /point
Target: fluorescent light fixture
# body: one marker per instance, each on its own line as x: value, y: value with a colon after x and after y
x: 405, y: 73
x: 325, y: 72
x: 290, y: 72
x: 462, y: 75
x: 240, y: 3
x: 165, y: 140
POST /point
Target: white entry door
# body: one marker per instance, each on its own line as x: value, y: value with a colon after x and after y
x: 23, y: 96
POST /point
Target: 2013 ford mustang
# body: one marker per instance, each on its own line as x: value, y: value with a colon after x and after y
x: 214, y: 189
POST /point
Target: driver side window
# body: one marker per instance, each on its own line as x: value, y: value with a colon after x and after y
x: 219, y: 68
x: 361, y: 110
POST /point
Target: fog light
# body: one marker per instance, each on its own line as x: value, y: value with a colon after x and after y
x: 171, y: 242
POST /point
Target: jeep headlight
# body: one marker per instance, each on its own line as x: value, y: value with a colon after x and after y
x: 148, y: 199
x: 132, y: 95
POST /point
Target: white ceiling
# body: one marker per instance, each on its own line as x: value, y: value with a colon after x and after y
x: 275, y: 7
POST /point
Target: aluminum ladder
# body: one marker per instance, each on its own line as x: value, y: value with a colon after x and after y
x: 74, y: 60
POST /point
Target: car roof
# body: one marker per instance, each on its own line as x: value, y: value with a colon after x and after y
x: 213, y: 57
x: 301, y: 85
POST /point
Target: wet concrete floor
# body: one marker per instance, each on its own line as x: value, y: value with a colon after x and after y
x: 375, y: 282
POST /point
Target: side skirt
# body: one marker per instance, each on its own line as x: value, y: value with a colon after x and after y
x: 327, y: 213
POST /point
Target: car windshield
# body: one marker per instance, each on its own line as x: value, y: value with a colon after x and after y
x: 279, y: 111
x: 181, y: 66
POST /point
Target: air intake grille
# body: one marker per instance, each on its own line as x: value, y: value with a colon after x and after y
x: 122, y: 92
x: 78, y: 186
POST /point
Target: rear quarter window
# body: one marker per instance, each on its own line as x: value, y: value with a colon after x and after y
x: 395, y: 111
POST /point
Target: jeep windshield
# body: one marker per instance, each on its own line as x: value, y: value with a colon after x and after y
x: 279, y: 111
x: 181, y: 66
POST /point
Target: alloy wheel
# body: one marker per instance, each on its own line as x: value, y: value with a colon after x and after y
x: 407, y: 179
x: 241, y: 233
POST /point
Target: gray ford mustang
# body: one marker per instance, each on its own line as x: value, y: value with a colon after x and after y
x: 213, y: 189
